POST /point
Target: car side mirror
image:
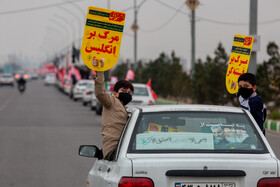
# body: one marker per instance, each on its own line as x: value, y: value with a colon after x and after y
x: 90, y: 151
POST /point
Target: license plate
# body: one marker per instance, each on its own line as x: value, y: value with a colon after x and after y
x: 208, y: 184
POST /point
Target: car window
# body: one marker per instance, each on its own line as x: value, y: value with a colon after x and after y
x: 51, y: 75
x: 195, y: 132
x: 83, y: 83
x: 7, y: 76
x: 90, y: 85
x: 140, y: 91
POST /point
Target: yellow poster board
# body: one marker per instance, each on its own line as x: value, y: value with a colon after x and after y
x: 102, y: 37
x: 239, y: 61
x: 159, y: 128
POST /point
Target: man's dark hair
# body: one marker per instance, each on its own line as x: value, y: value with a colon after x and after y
x: 248, y: 77
x: 123, y: 84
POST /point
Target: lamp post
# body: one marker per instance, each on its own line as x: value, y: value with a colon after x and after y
x: 57, y: 32
x: 79, y: 21
x: 66, y: 32
x: 69, y: 23
x: 192, y: 4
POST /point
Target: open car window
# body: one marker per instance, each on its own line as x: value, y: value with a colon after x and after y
x: 195, y: 132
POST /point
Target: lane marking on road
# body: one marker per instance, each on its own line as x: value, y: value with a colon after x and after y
x: 6, y: 102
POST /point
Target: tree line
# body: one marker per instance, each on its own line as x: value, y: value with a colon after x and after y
x: 207, y: 86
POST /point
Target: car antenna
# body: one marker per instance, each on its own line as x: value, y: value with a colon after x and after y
x: 180, y: 95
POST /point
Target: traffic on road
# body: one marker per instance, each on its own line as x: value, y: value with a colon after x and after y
x: 44, y: 129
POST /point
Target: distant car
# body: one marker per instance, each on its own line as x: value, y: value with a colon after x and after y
x: 7, y: 79
x: 67, y: 87
x: 95, y: 104
x: 50, y: 79
x: 141, y: 96
x: 184, y: 146
x: 80, y: 88
x: 88, y: 93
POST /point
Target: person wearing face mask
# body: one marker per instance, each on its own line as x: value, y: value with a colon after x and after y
x: 249, y: 99
x: 114, y: 114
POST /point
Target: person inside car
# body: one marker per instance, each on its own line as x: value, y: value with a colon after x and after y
x: 114, y: 114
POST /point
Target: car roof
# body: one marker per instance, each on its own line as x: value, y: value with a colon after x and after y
x: 139, y: 85
x: 86, y: 80
x: 189, y: 107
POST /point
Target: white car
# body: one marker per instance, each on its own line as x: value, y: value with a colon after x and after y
x: 50, y: 79
x: 187, y: 145
x: 67, y: 87
x: 88, y: 93
x: 80, y: 88
x: 141, y: 95
x: 7, y: 79
x: 95, y: 104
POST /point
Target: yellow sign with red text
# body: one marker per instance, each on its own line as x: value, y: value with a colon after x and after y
x: 102, y: 37
x: 159, y: 128
x: 239, y: 61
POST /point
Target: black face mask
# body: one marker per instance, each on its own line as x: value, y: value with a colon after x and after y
x: 125, y: 98
x: 245, y: 92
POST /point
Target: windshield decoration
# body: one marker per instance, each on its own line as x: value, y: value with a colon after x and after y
x: 174, y: 140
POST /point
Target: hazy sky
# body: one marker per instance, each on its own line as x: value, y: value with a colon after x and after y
x: 38, y: 29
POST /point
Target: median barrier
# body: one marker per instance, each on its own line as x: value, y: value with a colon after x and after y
x: 272, y: 125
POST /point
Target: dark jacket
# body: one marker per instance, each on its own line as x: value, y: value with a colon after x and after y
x: 256, y: 107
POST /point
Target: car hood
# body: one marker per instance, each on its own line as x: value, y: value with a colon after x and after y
x: 188, y: 169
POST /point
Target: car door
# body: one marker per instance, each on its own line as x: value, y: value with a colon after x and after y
x: 108, y: 173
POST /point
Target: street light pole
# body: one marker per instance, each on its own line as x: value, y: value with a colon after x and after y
x: 253, y: 31
x: 192, y: 4
x: 69, y: 23
x: 135, y: 33
x: 108, y: 4
x: 79, y: 21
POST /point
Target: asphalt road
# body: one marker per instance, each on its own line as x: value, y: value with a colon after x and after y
x: 40, y: 133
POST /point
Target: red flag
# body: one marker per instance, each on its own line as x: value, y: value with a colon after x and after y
x: 149, y: 84
x: 129, y: 75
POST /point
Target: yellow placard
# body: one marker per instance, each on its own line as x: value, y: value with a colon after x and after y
x: 239, y: 61
x: 102, y: 37
x: 159, y: 128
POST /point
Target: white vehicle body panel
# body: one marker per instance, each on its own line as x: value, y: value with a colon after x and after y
x: 255, y: 167
x: 79, y: 89
x: 141, y: 99
x: 156, y: 165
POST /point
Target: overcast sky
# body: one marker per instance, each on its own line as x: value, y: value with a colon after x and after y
x: 37, y: 29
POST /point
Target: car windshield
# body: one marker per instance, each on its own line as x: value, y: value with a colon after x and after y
x: 140, y: 91
x: 90, y: 85
x: 51, y: 75
x: 83, y: 83
x: 195, y: 132
x: 7, y: 76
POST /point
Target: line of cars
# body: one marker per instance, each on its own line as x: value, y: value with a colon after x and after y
x: 83, y: 91
x: 9, y: 79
